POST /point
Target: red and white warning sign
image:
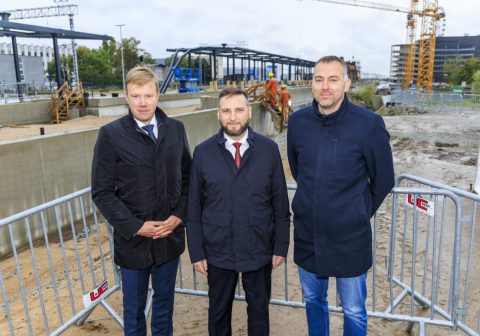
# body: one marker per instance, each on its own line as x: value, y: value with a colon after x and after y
x: 95, y: 294
x: 423, y: 205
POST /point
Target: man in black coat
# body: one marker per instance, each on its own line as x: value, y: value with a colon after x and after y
x: 237, y: 215
x: 140, y: 174
x: 340, y: 156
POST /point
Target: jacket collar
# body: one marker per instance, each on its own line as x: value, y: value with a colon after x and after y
x: 250, y: 138
x: 333, y: 118
x: 159, y: 115
x: 163, y: 122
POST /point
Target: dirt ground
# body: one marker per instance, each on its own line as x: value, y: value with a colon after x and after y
x: 442, y: 148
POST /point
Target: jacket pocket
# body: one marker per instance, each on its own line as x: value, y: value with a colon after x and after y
x: 217, y: 235
x: 261, y: 230
x: 351, y: 229
x: 176, y: 242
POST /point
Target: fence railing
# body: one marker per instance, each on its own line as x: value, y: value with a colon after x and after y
x: 426, y: 268
x: 64, y: 271
x: 20, y: 92
x: 463, y: 309
x: 439, y: 102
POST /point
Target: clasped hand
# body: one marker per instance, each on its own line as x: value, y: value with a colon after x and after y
x: 159, y: 229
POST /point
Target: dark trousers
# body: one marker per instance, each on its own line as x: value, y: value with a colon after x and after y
x: 135, y: 290
x: 221, y: 291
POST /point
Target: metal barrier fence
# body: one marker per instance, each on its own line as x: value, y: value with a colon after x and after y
x: 58, y: 278
x: 425, y: 271
x: 416, y: 275
x: 462, y: 309
x: 439, y: 101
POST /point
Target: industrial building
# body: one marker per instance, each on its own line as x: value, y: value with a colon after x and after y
x: 447, y: 47
x: 453, y: 47
x: 33, y: 62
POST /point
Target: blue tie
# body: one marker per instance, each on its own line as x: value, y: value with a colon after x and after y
x: 149, y: 129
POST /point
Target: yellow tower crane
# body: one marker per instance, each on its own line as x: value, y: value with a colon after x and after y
x: 430, y: 13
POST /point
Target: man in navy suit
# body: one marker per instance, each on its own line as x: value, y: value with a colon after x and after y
x: 237, y: 215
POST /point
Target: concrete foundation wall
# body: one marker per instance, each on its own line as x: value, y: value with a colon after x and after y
x: 42, y: 168
x: 102, y: 107
x: 208, y: 102
x: 25, y: 113
x: 300, y: 94
x: 37, y: 112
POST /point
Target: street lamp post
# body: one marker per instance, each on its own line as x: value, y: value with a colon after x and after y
x: 121, y: 52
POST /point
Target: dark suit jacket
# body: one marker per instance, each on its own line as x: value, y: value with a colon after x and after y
x: 344, y: 169
x: 237, y: 218
x: 135, y: 179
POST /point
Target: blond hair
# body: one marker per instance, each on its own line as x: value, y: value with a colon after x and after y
x: 141, y: 75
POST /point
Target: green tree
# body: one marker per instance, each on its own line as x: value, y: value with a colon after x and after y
x: 364, y: 96
x: 470, y: 66
x: 452, y: 70
x: 103, y: 66
x: 110, y: 47
x: 66, y: 68
x: 131, y: 55
x: 458, y: 70
x: 476, y: 82
x: 95, y: 66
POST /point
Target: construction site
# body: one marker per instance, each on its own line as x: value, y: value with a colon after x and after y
x: 57, y: 274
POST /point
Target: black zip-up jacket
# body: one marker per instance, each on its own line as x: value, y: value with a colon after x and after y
x: 135, y: 179
x: 237, y: 218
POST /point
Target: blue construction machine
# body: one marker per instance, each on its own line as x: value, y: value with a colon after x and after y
x: 188, y: 78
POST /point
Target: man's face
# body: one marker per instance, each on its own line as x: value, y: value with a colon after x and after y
x: 329, y: 86
x: 234, y: 113
x: 142, y: 100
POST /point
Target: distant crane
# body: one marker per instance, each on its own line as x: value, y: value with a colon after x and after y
x: 59, y: 10
x: 430, y: 13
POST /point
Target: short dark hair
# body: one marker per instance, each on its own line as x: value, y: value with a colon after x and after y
x: 330, y: 59
x: 232, y: 92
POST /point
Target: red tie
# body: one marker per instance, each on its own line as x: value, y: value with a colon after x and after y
x: 237, y: 153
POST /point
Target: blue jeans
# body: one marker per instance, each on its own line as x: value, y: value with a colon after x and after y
x: 353, y: 293
x: 135, y: 290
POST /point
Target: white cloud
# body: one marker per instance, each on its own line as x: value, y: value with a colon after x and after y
x: 306, y: 29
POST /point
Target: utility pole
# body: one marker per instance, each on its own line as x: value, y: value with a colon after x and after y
x: 121, y: 52
x: 74, y: 53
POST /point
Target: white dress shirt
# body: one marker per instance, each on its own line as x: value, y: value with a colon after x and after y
x: 231, y: 148
x: 152, y: 122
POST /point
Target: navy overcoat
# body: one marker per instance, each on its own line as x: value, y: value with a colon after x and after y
x: 343, y: 167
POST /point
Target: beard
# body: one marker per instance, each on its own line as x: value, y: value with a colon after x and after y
x: 230, y: 132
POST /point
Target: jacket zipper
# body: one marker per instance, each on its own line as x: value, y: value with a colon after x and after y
x: 334, y: 155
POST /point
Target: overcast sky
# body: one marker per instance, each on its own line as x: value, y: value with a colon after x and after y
x: 307, y: 29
